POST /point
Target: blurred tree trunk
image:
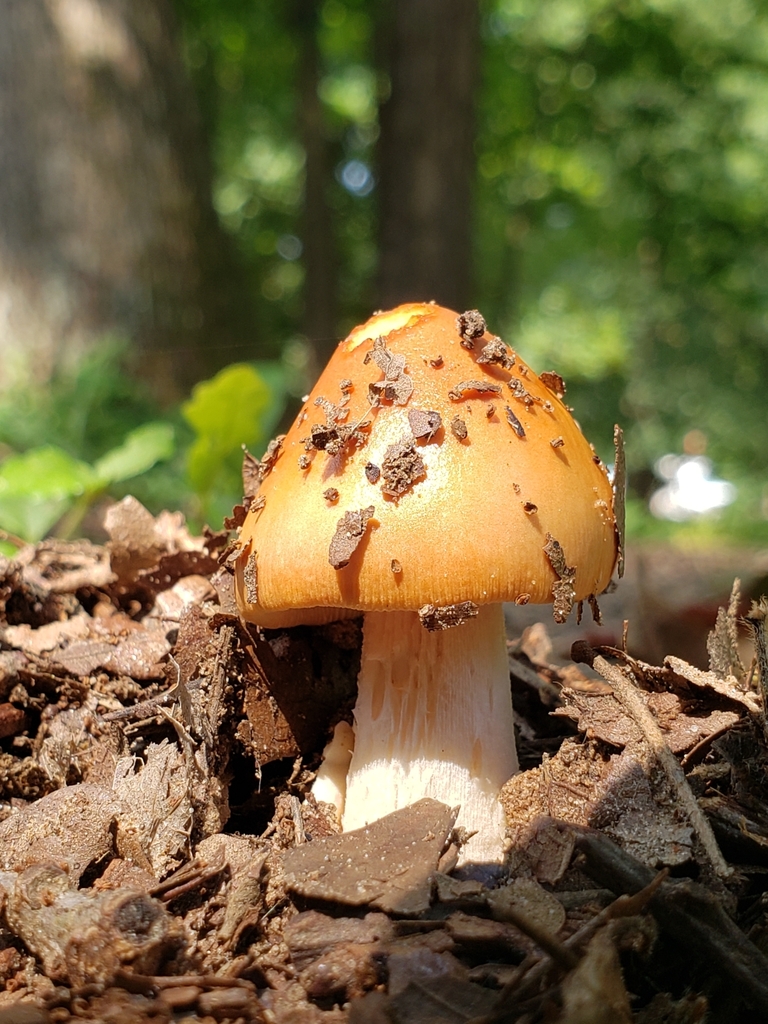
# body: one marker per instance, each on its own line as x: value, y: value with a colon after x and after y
x: 320, y: 263
x: 106, y: 221
x: 426, y: 152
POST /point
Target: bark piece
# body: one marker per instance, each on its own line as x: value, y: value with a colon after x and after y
x: 401, y: 467
x: 436, y: 617
x: 424, y: 424
x: 350, y: 531
x: 389, y: 864
x: 397, y: 386
x: 83, y: 936
x: 514, y: 422
x: 553, y: 381
x: 563, y: 590
x: 496, y: 353
x: 71, y: 827
x: 470, y: 325
x: 482, y: 387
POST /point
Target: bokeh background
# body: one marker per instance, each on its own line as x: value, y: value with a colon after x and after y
x: 198, y: 198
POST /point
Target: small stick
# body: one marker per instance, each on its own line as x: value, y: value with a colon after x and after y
x: 626, y: 692
x: 533, y: 969
x: 756, y: 622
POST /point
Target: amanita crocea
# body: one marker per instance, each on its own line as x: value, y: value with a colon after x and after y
x: 429, y: 477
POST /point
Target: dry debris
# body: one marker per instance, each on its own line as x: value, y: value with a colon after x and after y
x: 563, y: 590
x: 350, y: 531
x: 424, y: 424
x: 434, y: 617
x: 482, y: 387
x: 397, y: 386
x: 139, y: 719
x: 554, y: 382
x: 401, y: 467
x: 470, y: 325
x: 496, y: 353
x: 514, y: 422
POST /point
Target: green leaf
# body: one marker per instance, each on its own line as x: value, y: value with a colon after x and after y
x: 140, y: 450
x: 47, y: 472
x: 37, y: 488
x: 226, y: 412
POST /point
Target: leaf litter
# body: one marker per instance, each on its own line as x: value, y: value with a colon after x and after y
x: 162, y: 856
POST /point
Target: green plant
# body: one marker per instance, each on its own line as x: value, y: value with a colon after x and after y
x: 241, y: 405
x: 46, y: 485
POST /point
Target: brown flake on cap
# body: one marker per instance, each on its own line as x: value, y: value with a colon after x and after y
x: 490, y: 410
x: 619, y: 494
x: 270, y: 456
x: 251, y: 579
x: 459, y: 428
x: 424, y: 423
x: 470, y: 325
x: 239, y: 512
x: 563, y: 590
x: 594, y: 607
x: 522, y: 599
x: 482, y: 387
x: 372, y: 473
x: 335, y: 434
x: 401, y: 467
x: 435, y: 617
x: 514, y: 422
x: 553, y: 381
x: 331, y: 495
x: 395, y: 566
x: 557, y: 442
x: 436, y: 363
x: 346, y: 385
x: 496, y: 352
x: 529, y: 508
x: 397, y: 386
x: 251, y: 477
x: 255, y: 470
x: 520, y: 391
x: 350, y: 531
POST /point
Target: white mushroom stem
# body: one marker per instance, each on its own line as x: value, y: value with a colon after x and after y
x: 434, y: 718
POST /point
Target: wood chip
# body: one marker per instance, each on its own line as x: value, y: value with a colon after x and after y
x: 401, y: 467
x: 482, y: 387
x: 495, y: 352
x: 459, y: 428
x: 435, y: 617
x: 470, y: 325
x: 424, y: 423
x: 563, y: 590
x: 251, y: 579
x: 553, y: 381
x: 514, y: 422
x: 350, y: 531
x: 397, y: 386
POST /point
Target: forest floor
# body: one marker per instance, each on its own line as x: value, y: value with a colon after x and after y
x: 162, y: 857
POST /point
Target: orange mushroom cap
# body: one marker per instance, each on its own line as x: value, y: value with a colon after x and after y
x: 463, y: 511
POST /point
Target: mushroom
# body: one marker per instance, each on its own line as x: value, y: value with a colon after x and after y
x: 456, y: 514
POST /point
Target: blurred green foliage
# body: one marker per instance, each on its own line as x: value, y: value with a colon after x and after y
x: 621, y: 202
x: 240, y: 404
x: 621, y: 236
x: 190, y: 460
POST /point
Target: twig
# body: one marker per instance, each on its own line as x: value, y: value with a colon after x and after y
x: 688, y: 913
x: 626, y: 692
x: 533, y: 969
x: 756, y: 622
